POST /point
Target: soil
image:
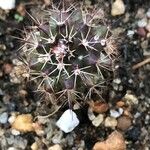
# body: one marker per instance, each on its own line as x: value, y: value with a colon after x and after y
x: 21, y: 98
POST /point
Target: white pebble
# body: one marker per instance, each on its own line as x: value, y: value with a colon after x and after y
x: 137, y: 115
x: 3, y: 118
x: 130, y: 33
x: 131, y: 99
x: 15, y: 132
x: 55, y: 147
x: 142, y: 23
x: 76, y: 106
x: 11, y: 119
x: 110, y: 122
x: 120, y: 111
x: 118, y: 8
x: 68, y: 121
x: 91, y: 115
x: 117, y: 81
x: 7, y: 4
x: 12, y: 148
x: 98, y: 120
x: 115, y: 113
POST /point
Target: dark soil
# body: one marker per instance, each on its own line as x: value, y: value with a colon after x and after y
x: 135, y: 80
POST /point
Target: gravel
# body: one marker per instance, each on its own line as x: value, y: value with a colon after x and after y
x: 3, y: 118
x: 128, y: 85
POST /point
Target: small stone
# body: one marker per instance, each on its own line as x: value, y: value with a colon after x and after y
x: 99, y: 107
x: 147, y: 119
x: 2, y: 131
x: 7, y: 4
x: 38, y: 129
x: 2, y: 47
x: 137, y: 115
x: 76, y: 106
x: 98, y: 120
x: 12, y: 148
x: 140, y: 13
x: 19, y: 73
x: 15, y: 132
x: 118, y: 8
x: 117, y: 81
x: 148, y: 13
x: 70, y: 139
x: 144, y: 44
x: 34, y: 146
x: 1, y: 92
x: 130, y: 33
x: 124, y: 123
x: 127, y: 17
x: 142, y: 23
x: 115, y: 113
x: 80, y: 148
x: 148, y: 26
x: 120, y: 104
x: 55, y: 147
x: 47, y: 2
x: 91, y: 115
x: 23, y: 123
x: 134, y: 133
x: 110, y: 122
x: 127, y: 112
x: 131, y: 99
x: 57, y: 138
x: 11, y: 119
x: 7, y: 68
x: 68, y: 121
x: 115, y: 141
x: 141, y: 32
x: 3, y: 118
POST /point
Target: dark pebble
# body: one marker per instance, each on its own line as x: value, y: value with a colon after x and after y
x: 133, y: 134
x: 11, y: 107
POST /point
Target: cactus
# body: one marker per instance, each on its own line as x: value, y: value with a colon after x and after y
x: 70, y: 53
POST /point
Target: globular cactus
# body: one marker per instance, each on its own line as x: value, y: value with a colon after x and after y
x: 70, y: 52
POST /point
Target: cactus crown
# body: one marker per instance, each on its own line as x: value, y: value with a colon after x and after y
x: 70, y: 52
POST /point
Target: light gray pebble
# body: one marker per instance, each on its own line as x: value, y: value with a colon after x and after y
x: 1, y: 92
x: 3, y: 118
x: 148, y: 13
x: 148, y: 100
x: 15, y: 132
x: 147, y: 119
x: 131, y: 99
x: 49, y: 130
x: 142, y: 23
x: 20, y: 143
x: 57, y: 138
x: 117, y: 81
x: 70, y: 139
x: 137, y: 115
x: 98, y: 120
x: 130, y: 81
x: 115, y: 113
x: 10, y: 140
x: 12, y: 148
x: 17, y: 142
x: 91, y: 115
x: 130, y: 33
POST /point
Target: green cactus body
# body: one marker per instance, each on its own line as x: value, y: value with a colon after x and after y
x: 68, y: 53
